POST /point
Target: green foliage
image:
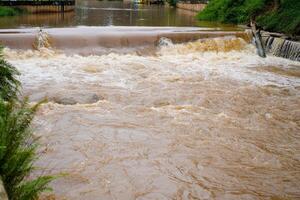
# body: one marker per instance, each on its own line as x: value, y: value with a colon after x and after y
x: 8, y: 11
x: 231, y: 11
x: 9, y: 83
x: 18, y: 151
x: 284, y: 17
x: 17, y: 144
x: 172, y: 2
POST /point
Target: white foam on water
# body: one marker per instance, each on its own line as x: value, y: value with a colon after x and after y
x: 212, y: 60
x: 204, y: 119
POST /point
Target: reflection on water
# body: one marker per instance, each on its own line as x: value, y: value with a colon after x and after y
x: 199, y: 120
x: 107, y: 13
x: 38, y: 20
x: 128, y: 14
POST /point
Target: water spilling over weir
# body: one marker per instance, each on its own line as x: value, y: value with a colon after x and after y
x: 100, y: 40
x: 282, y: 47
x: 193, y: 119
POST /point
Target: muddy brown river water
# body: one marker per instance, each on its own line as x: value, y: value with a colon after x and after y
x: 206, y: 119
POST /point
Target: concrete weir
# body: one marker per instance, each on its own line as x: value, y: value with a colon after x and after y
x: 282, y: 47
x: 95, y: 39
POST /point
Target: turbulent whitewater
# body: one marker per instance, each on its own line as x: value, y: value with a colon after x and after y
x: 207, y: 119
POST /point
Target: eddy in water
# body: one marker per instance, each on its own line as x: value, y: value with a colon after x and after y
x: 198, y: 120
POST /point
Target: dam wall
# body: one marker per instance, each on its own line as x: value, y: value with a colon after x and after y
x: 92, y: 39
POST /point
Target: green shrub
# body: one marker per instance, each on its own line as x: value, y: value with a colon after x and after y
x: 18, y: 152
x: 9, y: 83
x: 17, y: 144
x: 231, y: 11
x: 8, y: 11
x: 284, y: 17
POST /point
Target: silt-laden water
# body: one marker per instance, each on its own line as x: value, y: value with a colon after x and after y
x: 200, y: 120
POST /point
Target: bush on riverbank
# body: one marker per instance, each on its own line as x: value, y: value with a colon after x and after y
x: 18, y: 152
x: 8, y: 11
x: 284, y: 19
x: 172, y: 2
x: 273, y: 15
x: 9, y: 84
x: 17, y: 143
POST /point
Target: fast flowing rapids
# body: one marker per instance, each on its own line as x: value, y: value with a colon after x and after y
x: 207, y: 119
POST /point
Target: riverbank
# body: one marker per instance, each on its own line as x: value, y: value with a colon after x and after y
x: 9, y: 11
x: 32, y: 6
x: 281, y: 17
x: 273, y: 16
x: 191, y: 7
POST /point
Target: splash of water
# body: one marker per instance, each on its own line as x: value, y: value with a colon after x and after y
x: 42, y: 40
x: 224, y: 44
x: 163, y: 41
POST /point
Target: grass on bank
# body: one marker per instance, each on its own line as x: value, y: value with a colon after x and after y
x: 17, y: 144
x: 9, y: 11
x: 273, y: 15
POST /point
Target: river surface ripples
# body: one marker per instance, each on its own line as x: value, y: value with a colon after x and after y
x: 199, y: 120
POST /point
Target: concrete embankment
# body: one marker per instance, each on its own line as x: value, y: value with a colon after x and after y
x: 192, y: 7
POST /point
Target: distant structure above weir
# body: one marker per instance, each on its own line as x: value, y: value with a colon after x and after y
x: 192, y: 5
x: 44, y: 6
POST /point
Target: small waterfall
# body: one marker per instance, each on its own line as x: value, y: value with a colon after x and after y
x: 282, y: 47
x: 163, y: 41
x: 42, y: 40
x: 220, y: 44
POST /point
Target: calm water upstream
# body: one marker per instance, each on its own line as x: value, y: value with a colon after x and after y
x: 109, y: 13
x: 156, y: 113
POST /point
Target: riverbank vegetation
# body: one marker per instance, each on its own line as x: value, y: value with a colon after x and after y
x: 172, y: 2
x: 17, y: 144
x: 10, y: 11
x: 272, y: 15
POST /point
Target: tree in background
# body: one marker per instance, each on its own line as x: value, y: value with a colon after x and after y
x: 273, y: 15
